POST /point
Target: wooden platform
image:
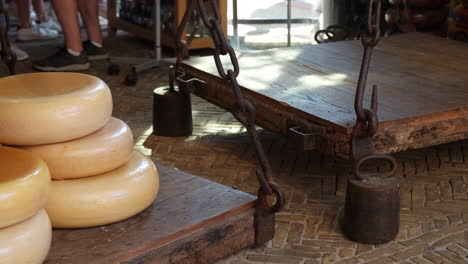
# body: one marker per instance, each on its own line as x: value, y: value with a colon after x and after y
x: 193, y: 220
x: 422, y: 81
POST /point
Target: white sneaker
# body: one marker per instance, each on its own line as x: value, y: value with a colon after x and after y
x: 20, y: 54
x: 50, y: 24
x: 35, y: 33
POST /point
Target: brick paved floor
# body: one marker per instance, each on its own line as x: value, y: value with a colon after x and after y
x: 434, y: 182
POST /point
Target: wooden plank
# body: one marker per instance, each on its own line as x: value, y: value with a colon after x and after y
x: 422, y: 96
x: 185, y: 205
x: 205, y: 245
x: 177, y: 182
x: 320, y: 80
x: 407, y: 78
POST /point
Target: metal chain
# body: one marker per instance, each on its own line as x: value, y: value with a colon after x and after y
x: 7, y: 54
x: 181, y: 45
x: 245, y: 111
x: 367, y: 121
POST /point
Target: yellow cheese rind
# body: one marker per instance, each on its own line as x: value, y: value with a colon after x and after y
x: 27, y: 242
x: 44, y: 108
x: 105, y: 198
x: 24, y: 185
x: 103, y: 151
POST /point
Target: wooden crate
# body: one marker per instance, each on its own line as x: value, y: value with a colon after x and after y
x: 193, y: 220
x: 167, y: 40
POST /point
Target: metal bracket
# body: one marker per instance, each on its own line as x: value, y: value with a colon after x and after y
x: 302, y: 139
x: 264, y: 226
x: 187, y: 83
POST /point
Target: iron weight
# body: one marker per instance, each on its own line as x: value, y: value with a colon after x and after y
x: 372, y: 207
x: 172, y: 113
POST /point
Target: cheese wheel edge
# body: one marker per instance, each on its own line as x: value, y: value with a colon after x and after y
x: 27, y: 242
x: 102, y: 151
x: 106, y: 198
x: 57, y: 118
x: 21, y: 198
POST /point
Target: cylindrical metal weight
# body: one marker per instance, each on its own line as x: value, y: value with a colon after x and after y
x: 372, y: 207
x: 372, y: 210
x: 172, y: 113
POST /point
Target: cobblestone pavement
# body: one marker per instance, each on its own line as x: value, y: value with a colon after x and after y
x: 434, y: 207
x: 434, y: 182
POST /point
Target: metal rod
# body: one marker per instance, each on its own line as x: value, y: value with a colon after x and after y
x: 289, y: 23
x: 259, y: 21
x: 157, y: 29
x: 143, y: 64
x: 235, y: 24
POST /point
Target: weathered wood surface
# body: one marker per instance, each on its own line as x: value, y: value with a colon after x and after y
x: 192, y: 220
x: 421, y: 81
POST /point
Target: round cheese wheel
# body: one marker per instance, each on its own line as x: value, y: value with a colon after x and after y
x: 105, y: 198
x: 27, y: 242
x: 103, y: 151
x: 51, y: 107
x: 24, y: 185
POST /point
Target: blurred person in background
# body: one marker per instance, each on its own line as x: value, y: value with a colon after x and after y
x: 39, y: 28
x: 33, y: 25
x: 76, y: 54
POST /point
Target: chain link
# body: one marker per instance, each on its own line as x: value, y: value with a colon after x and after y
x: 181, y: 45
x: 244, y: 111
x: 372, y: 35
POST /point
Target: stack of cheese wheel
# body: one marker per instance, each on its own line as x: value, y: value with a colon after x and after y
x: 65, y: 118
x: 25, y: 230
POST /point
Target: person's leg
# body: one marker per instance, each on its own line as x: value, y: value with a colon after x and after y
x: 29, y: 30
x: 71, y: 58
x: 89, y: 12
x: 67, y: 14
x: 39, y: 8
x: 24, y: 13
x: 42, y: 17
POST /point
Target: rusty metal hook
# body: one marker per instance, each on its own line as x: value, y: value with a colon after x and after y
x: 279, y: 195
x: 367, y: 120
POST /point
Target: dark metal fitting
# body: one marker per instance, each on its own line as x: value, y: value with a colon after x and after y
x: 368, y: 176
x: 330, y: 36
x: 186, y: 83
x: 279, y: 195
x: 251, y: 111
x: 264, y: 184
x: 204, y: 14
